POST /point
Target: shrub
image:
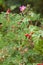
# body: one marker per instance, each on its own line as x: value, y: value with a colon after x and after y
x: 15, y: 47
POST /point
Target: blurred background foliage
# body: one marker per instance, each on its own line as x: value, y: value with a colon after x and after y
x: 37, y: 5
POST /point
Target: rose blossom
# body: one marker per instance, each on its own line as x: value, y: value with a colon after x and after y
x: 22, y: 8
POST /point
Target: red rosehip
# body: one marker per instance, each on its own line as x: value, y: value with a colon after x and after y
x: 38, y: 64
x: 8, y: 11
x: 28, y: 36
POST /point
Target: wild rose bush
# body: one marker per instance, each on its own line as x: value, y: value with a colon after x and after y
x: 21, y: 41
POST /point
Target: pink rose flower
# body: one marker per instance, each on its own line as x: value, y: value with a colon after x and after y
x: 22, y: 8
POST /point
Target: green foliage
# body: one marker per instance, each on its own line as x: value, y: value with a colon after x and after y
x: 15, y: 48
